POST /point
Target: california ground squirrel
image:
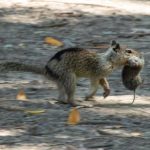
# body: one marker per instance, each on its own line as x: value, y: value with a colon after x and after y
x: 67, y: 65
x: 131, y: 74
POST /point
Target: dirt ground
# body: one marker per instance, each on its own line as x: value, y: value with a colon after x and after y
x: 106, y: 124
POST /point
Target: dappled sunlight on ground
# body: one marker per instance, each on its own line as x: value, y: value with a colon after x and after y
x: 112, y: 123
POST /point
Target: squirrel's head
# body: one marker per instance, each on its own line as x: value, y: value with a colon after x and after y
x: 121, y: 55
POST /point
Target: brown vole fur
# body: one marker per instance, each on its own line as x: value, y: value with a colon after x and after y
x: 131, y: 74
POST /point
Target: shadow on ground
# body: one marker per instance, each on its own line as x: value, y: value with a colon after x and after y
x: 106, y: 125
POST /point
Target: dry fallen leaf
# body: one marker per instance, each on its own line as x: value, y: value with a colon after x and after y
x: 21, y: 96
x: 52, y: 41
x: 74, y: 117
x: 35, y: 112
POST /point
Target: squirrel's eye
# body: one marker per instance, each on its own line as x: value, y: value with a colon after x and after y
x: 129, y: 51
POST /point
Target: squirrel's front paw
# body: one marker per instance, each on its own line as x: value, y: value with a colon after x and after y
x: 106, y: 93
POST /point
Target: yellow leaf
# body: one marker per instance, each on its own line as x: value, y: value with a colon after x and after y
x: 52, y: 41
x: 74, y: 117
x: 35, y: 112
x: 21, y: 96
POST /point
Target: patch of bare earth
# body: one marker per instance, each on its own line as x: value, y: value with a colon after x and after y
x: 106, y: 124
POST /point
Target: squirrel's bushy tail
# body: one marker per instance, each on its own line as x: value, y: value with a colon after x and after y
x: 15, y: 66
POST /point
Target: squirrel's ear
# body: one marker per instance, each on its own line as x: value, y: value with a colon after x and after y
x: 115, y: 45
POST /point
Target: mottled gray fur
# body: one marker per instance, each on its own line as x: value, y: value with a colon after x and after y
x: 67, y: 65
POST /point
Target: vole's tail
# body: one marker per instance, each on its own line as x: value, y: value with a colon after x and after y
x: 134, y: 94
x: 15, y: 66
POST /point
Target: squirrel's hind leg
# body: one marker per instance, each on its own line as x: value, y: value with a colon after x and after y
x: 93, y: 89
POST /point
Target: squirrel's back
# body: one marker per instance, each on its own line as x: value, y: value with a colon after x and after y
x: 80, y: 61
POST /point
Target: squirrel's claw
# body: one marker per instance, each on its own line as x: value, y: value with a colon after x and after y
x: 106, y: 93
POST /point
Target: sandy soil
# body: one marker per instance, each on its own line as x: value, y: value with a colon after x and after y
x: 108, y: 124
